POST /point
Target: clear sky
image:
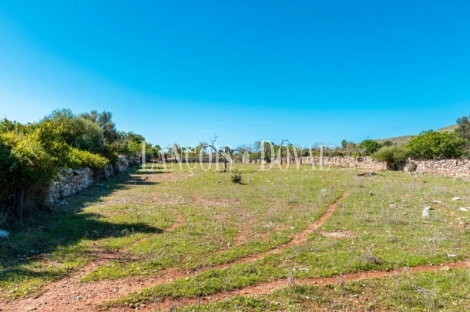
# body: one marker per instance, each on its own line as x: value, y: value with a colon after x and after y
x: 183, y: 71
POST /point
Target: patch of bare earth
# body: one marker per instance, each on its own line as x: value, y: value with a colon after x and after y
x: 338, y: 234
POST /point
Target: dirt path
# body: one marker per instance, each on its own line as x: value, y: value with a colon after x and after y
x: 71, y: 294
x: 298, y: 238
x: 266, y: 288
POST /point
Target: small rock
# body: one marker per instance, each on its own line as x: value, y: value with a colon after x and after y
x: 463, y: 209
x: 426, y: 211
x: 455, y: 198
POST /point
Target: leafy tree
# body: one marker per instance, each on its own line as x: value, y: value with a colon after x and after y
x: 463, y: 128
x: 110, y: 134
x: 436, y: 145
x: 463, y: 131
x: 78, y: 131
x: 394, y: 155
x: 369, y: 147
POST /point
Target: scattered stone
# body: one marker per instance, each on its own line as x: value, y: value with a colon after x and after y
x: 367, y: 174
x: 426, y: 211
x: 455, y: 198
x: 463, y: 209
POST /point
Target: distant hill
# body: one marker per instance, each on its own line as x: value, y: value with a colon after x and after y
x: 406, y: 138
x: 448, y: 129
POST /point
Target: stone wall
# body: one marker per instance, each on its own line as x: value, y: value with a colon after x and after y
x: 70, y: 181
x: 448, y: 167
x: 346, y: 162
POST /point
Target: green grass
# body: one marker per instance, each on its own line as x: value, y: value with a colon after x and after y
x: 224, y: 222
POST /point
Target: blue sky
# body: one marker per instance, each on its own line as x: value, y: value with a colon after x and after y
x: 184, y: 71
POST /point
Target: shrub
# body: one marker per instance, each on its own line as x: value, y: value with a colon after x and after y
x: 394, y: 155
x: 237, y: 177
x: 30, y: 158
x: 79, y: 158
x: 30, y: 154
x: 369, y: 147
x: 436, y: 145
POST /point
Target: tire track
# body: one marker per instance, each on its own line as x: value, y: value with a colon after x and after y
x: 298, y: 238
x: 269, y: 287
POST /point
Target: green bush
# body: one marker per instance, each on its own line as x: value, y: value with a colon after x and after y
x: 31, y: 155
x: 369, y: 147
x: 394, y: 155
x: 436, y: 145
x: 237, y: 177
x: 79, y: 159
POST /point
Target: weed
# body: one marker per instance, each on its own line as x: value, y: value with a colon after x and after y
x: 237, y: 177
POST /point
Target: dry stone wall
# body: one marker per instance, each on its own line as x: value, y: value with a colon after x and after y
x: 448, y: 167
x: 348, y: 162
x: 70, y: 181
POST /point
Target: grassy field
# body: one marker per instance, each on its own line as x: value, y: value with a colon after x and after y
x: 294, y: 240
